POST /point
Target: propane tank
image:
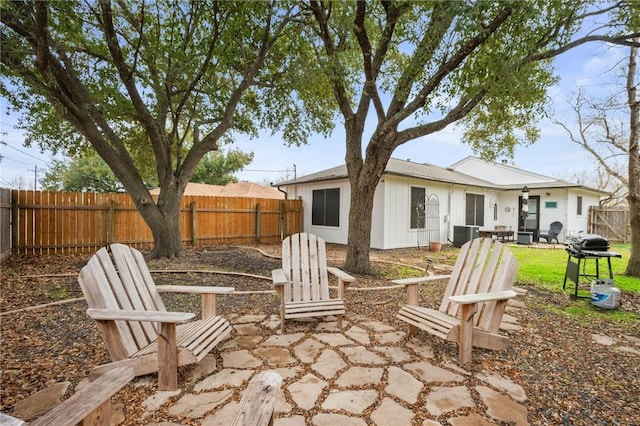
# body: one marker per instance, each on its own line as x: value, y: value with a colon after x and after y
x: 604, y: 294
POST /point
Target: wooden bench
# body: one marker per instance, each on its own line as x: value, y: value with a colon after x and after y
x: 259, y: 400
x: 91, y: 405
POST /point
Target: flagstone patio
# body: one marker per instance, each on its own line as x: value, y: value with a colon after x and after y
x: 368, y: 374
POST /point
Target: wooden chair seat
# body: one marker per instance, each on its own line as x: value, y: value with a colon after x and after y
x: 474, y: 301
x: 314, y: 309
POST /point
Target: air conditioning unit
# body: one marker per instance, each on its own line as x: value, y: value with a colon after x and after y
x: 462, y: 234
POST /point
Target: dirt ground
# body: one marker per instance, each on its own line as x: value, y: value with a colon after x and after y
x: 568, y: 378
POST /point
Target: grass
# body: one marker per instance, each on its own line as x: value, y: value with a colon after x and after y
x: 545, y: 268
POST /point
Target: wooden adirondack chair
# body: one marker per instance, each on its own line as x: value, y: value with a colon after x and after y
x: 474, y: 301
x: 136, y: 327
x: 303, y: 281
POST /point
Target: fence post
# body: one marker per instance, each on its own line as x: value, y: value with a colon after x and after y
x: 258, y: 222
x: 194, y: 224
x: 14, y: 224
x: 111, y: 225
x: 283, y: 221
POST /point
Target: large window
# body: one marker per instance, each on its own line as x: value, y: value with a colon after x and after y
x: 579, y: 203
x: 325, y: 209
x: 474, y: 213
x: 417, y: 208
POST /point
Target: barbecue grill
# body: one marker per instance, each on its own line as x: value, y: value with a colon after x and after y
x: 582, y: 248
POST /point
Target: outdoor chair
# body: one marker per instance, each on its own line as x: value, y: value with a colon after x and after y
x: 135, y: 325
x: 474, y: 301
x: 302, y: 283
x: 552, y: 233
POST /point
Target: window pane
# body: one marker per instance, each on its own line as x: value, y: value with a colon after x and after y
x: 417, y: 208
x: 325, y: 207
x: 579, y: 212
x: 332, y: 207
x: 474, y: 210
x: 479, y: 210
x: 317, y: 208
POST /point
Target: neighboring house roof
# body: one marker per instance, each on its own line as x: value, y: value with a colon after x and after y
x: 447, y: 175
x: 240, y: 189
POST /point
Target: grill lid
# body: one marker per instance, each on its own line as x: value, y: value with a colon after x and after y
x: 591, y: 242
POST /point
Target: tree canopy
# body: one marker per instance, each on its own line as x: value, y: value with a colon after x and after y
x: 414, y: 68
x: 145, y: 76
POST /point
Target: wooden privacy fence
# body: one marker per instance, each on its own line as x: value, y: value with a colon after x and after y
x: 613, y: 223
x: 59, y: 222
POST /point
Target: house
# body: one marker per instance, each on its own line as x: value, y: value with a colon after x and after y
x: 415, y: 204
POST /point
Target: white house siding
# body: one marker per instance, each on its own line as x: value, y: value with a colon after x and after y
x: 500, y: 174
x: 578, y: 223
x: 396, y: 231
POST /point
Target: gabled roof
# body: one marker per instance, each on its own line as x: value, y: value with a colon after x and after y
x: 398, y: 168
x: 440, y: 174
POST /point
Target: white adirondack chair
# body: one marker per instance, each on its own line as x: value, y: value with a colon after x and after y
x: 135, y: 325
x: 474, y: 301
x: 303, y: 281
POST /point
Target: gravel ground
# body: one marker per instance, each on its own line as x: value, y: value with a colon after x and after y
x: 568, y: 378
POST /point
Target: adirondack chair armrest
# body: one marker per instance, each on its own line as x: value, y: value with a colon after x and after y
x: 278, y: 277
x: 194, y: 289
x: 151, y: 316
x: 421, y: 280
x: 467, y: 299
x: 208, y: 293
x: 340, y: 274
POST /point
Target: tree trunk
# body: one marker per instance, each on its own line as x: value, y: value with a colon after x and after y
x: 163, y: 218
x: 359, y: 239
x: 364, y: 178
x: 633, y: 267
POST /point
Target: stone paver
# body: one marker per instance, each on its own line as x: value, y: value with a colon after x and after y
x: 305, y: 392
x: 403, y: 385
x: 360, y: 376
x: 283, y: 339
x: 358, y: 334
x: 361, y: 355
x: 328, y: 364
x: 276, y: 356
x: 446, y: 399
x: 226, y: 377
x: 503, y: 408
x: 353, y: 401
x: 431, y: 373
x: 240, y: 359
x: 308, y: 350
x: 391, y: 413
x: 197, y: 405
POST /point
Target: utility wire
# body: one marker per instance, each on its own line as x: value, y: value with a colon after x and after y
x: 22, y: 152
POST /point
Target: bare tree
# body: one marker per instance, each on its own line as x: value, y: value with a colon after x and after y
x: 608, y: 129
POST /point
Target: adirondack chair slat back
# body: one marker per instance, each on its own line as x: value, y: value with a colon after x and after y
x: 124, y: 286
x: 483, y: 266
x: 304, y: 262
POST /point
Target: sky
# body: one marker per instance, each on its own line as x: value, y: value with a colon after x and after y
x: 553, y: 155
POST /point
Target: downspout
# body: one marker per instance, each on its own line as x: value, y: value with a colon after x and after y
x: 281, y: 190
x: 449, y: 214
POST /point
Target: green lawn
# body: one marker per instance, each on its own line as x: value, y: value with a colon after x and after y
x: 546, y: 267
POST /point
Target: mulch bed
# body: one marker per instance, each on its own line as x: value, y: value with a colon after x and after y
x: 567, y: 377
